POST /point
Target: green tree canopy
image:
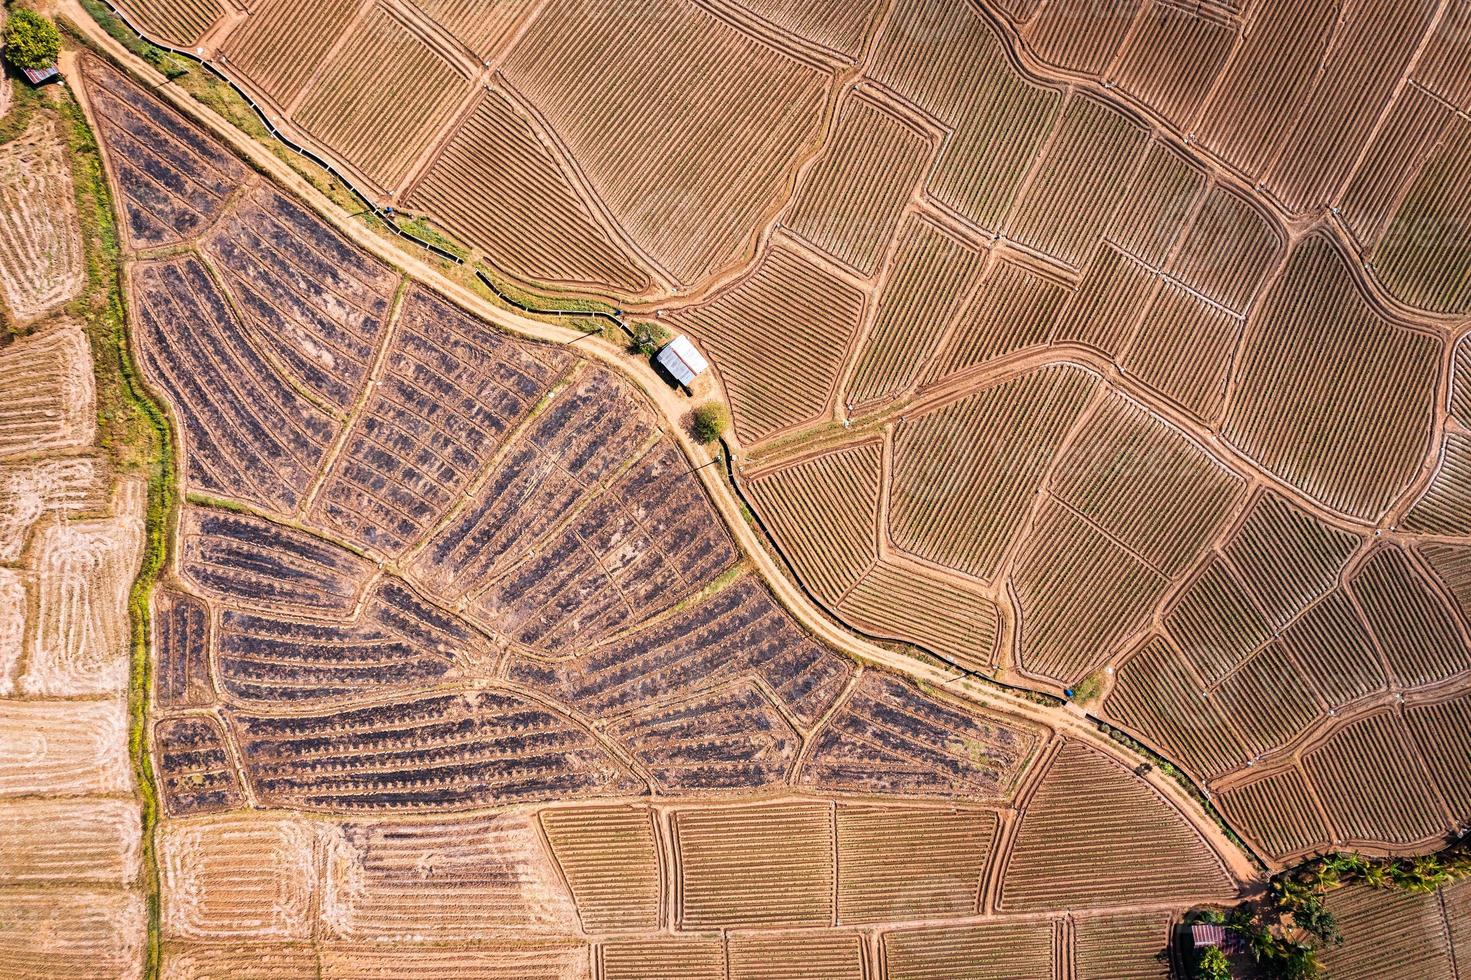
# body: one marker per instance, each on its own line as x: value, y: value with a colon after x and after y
x: 31, y: 41
x: 711, y: 420
x: 1213, y: 965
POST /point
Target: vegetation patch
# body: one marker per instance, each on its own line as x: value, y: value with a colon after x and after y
x: 421, y: 229
x: 710, y: 421
x: 647, y: 338
x: 1088, y: 689
x: 1284, y: 931
x: 31, y: 41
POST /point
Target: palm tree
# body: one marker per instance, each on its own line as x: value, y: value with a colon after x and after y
x: 1424, y: 874
x: 1345, y: 864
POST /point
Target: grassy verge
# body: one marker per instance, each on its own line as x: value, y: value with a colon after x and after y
x: 552, y: 308
x: 24, y: 102
x: 135, y: 432
x: 1088, y: 689
x: 420, y: 228
x: 538, y: 301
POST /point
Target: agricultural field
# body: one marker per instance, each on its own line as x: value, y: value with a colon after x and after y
x: 41, y: 267
x: 1157, y: 392
x: 1390, y: 934
x: 73, y: 883
x: 1098, y: 377
x: 456, y: 665
x: 1023, y: 121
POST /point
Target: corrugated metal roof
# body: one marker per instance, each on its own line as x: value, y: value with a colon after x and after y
x: 38, y: 75
x: 1209, y: 934
x: 680, y: 359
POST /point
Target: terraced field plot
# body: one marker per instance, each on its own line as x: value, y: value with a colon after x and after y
x: 422, y: 658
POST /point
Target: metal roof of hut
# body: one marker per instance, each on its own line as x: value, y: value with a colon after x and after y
x: 680, y: 359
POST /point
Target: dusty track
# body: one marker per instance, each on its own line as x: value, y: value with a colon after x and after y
x: 673, y: 407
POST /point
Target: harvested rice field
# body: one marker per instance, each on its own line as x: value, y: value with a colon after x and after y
x: 1084, y: 540
x: 41, y: 260
x: 75, y: 874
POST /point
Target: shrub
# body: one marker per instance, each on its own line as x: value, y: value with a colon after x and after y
x: 31, y: 41
x: 710, y: 421
x: 1424, y: 874
x: 648, y: 338
x: 1314, y: 918
x: 1212, y: 965
x: 1295, y: 962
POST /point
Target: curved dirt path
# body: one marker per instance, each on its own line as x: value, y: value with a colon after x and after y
x: 1067, y: 721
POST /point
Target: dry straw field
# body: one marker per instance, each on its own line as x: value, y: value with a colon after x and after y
x: 1111, y: 351
x: 73, y: 890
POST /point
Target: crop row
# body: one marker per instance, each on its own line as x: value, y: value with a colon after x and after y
x: 180, y: 23
x: 314, y: 302
x: 453, y: 390
x: 779, y: 338
x: 690, y: 188
x: 1394, y: 934
x: 950, y: 61
x: 195, y: 771
x: 379, y: 121
x: 478, y: 188
x: 579, y: 438
x: 248, y: 434
x: 1332, y: 396
x: 851, y: 201
x: 738, y: 630
x: 398, y: 641
x: 1237, y: 680
x: 891, y: 738
x: 426, y: 751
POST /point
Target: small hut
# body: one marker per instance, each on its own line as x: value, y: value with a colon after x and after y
x: 39, y: 76
x: 1203, y: 934
x: 682, y: 361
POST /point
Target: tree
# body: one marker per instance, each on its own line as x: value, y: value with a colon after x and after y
x: 1314, y: 918
x: 1213, y: 965
x: 1290, y: 892
x: 31, y: 41
x: 710, y: 421
x: 1336, y: 867
x: 1295, y: 962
